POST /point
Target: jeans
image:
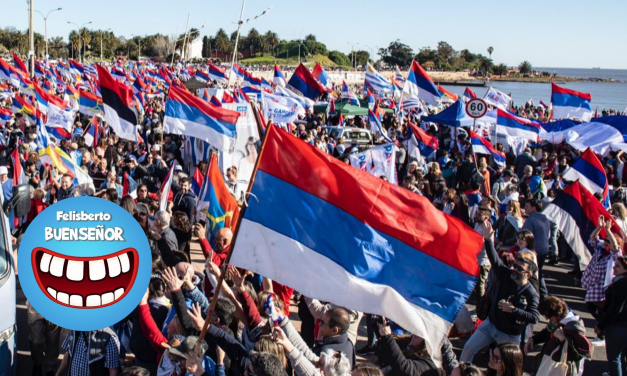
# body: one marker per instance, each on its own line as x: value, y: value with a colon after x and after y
x: 616, y: 349
x: 44, y: 340
x: 485, y: 334
x: 543, y: 290
x: 370, y: 330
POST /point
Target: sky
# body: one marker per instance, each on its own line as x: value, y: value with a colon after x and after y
x: 547, y: 33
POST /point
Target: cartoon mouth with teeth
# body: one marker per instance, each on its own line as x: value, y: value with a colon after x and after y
x: 85, y: 282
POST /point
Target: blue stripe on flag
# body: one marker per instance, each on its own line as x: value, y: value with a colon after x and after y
x: 185, y: 112
x: 361, y: 250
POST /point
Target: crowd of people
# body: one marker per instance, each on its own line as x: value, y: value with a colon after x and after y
x: 250, y: 331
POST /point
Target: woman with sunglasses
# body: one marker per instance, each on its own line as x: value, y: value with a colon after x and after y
x: 506, y: 360
x: 614, y: 321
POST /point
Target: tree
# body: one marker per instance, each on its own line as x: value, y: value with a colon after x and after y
x: 426, y: 54
x: 253, y: 41
x: 500, y: 69
x: 445, y: 51
x: 271, y: 41
x: 490, y: 50
x: 222, y: 43
x: 525, y: 67
x: 486, y: 65
x: 397, y: 53
x: 339, y: 58
x: 361, y: 57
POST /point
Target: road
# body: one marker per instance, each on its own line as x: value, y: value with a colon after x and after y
x: 558, y: 281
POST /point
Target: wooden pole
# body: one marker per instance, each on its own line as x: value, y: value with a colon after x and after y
x: 216, y: 294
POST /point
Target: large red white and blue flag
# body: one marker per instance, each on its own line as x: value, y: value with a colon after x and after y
x: 517, y: 126
x: 202, y: 76
x: 576, y: 213
x: 570, y: 104
x: 279, y: 77
x: 118, y: 104
x: 469, y: 94
x: 321, y: 75
x: 322, y: 224
x: 9, y: 74
x: 590, y: 172
x: 482, y: 146
x: 303, y: 83
x: 189, y: 115
x: 89, y: 104
x: 421, y: 86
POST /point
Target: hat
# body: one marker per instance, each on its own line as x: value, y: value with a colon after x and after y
x: 187, y: 346
x: 3, y: 170
x: 156, y: 147
x: 178, y: 168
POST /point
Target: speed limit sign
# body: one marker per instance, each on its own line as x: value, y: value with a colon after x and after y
x: 476, y: 108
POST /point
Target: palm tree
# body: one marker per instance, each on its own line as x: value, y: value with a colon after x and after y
x: 222, y: 42
x: 253, y: 41
x: 525, y: 67
x: 486, y: 65
x: 500, y: 69
x: 490, y: 50
x: 271, y: 40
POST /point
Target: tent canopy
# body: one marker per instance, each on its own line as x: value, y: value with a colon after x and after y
x: 455, y: 116
x: 342, y: 106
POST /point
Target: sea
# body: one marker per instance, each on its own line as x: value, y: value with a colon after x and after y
x: 605, y: 95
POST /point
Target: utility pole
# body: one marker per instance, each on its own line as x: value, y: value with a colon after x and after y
x: 31, y: 39
x: 174, y: 46
x: 46, y: 27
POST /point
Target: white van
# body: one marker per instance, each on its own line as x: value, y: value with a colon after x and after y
x: 8, y: 337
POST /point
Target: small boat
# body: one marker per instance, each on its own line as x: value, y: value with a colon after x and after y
x: 596, y: 67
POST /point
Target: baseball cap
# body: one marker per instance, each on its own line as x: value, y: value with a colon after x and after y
x: 187, y: 346
x: 178, y: 168
x: 3, y: 170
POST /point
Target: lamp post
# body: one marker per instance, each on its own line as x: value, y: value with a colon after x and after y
x: 78, y: 31
x: 353, y: 52
x: 46, y: 26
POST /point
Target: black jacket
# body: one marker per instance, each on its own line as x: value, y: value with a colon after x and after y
x: 138, y: 342
x: 185, y: 202
x: 390, y: 353
x: 523, y: 160
x: 167, y: 245
x: 525, y: 298
x: 336, y: 343
x: 615, y: 311
x: 506, y: 231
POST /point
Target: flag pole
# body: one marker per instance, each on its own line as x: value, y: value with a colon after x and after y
x: 216, y: 293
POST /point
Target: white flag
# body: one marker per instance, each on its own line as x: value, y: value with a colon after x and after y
x: 283, y: 110
x: 379, y: 161
x: 60, y: 118
x: 497, y: 98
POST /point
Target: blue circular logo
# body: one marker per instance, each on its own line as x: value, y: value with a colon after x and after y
x: 84, y: 263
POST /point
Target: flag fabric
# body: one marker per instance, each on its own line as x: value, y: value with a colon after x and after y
x: 286, y: 92
x: 76, y: 68
x: 266, y: 85
x: 497, y: 99
x: 399, y: 79
x: 129, y: 186
x: 279, y: 77
x: 447, y: 96
x: 18, y: 63
x: 321, y: 75
x: 281, y: 109
x: 469, y: 94
x: 5, y: 115
x: 239, y: 71
x: 420, y: 143
x: 118, y: 103
x: 570, y: 104
x: 60, y: 118
x: 164, y: 191
x: 59, y: 133
x: 54, y: 156
x: 21, y: 105
x: 543, y: 104
x: 9, y: 74
x: 590, y: 172
x: 323, y: 224
x: 216, y: 206
x: 348, y: 94
x: 379, y: 161
x: 482, y: 146
x: 89, y: 104
x: 305, y: 84
x: 576, y: 213
x: 196, y: 181
x: 202, y: 76
x: 375, y: 81
x: 43, y: 140
x: 19, y: 177
x: 189, y: 115
x: 91, y: 134
x: 370, y: 99
x: 517, y: 126
x: 420, y: 85
x: 215, y: 101
x: 601, y: 134
x: 216, y: 73
x: 376, y: 127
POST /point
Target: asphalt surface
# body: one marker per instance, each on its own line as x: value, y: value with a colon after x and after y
x: 559, y: 283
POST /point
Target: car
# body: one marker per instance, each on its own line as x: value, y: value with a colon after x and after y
x: 351, y: 136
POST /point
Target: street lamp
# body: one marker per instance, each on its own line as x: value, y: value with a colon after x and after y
x: 353, y: 52
x: 78, y: 31
x: 300, y: 43
x: 139, y: 45
x: 46, y: 26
